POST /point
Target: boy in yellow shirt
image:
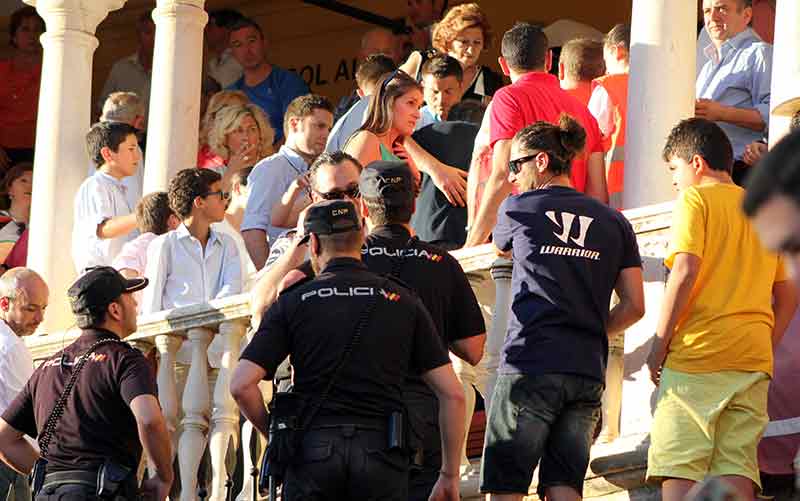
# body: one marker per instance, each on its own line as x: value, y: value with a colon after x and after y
x: 712, y: 354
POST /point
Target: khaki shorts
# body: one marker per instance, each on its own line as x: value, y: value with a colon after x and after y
x: 707, y: 424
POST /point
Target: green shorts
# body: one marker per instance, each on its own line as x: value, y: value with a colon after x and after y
x: 707, y: 424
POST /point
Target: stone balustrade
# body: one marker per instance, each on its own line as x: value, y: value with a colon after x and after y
x: 198, y: 348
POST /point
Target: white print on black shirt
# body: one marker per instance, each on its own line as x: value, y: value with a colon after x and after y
x: 326, y: 292
x: 419, y: 253
x: 565, y: 228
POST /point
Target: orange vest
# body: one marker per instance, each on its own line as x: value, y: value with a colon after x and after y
x: 617, y: 88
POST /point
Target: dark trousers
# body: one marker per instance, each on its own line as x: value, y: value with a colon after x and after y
x: 347, y: 462
x: 13, y: 486
x: 425, y: 426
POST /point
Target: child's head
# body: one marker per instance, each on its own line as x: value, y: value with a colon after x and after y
x: 697, y: 147
x: 198, y: 192
x: 114, y: 145
x: 153, y: 214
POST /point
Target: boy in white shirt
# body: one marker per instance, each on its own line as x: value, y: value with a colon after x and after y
x: 193, y: 263
x: 103, y: 218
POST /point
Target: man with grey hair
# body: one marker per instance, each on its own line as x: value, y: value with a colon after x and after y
x: 23, y: 299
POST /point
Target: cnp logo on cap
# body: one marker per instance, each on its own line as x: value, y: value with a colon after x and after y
x: 331, y: 216
x: 390, y: 181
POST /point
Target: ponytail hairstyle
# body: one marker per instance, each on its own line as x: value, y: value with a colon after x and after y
x: 379, y: 114
x: 562, y: 142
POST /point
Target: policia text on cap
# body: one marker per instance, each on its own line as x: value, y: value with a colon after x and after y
x: 346, y: 452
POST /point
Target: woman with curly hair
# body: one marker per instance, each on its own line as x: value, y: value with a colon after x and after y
x: 205, y: 157
x: 463, y: 34
x: 241, y: 136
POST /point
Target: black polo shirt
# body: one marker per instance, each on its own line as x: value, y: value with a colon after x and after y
x: 436, y: 220
x: 97, y: 423
x: 313, y: 321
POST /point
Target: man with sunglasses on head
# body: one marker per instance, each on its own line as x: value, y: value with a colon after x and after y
x: 193, y: 263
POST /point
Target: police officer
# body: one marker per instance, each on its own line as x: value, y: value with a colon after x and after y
x: 346, y: 451
x: 89, y: 440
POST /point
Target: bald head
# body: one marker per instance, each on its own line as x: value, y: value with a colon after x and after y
x: 23, y: 300
x: 379, y: 41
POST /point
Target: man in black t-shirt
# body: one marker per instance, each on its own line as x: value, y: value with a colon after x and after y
x: 113, y: 397
x: 345, y: 453
x: 570, y: 252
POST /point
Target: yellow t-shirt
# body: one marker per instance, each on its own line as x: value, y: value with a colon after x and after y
x: 727, y: 324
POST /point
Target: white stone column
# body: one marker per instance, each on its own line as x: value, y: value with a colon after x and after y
x: 785, y: 67
x: 661, y: 93
x: 196, y: 410
x: 501, y: 274
x: 167, y: 384
x: 225, y: 413
x: 61, y: 159
x: 174, y: 116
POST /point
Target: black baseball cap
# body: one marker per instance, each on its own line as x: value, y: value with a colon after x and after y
x: 100, y: 286
x: 389, y: 181
x: 331, y: 216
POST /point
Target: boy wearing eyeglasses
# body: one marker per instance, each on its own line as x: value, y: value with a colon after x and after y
x: 193, y: 263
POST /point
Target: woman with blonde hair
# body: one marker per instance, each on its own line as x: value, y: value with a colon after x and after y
x: 241, y: 136
x: 463, y: 34
x: 205, y: 157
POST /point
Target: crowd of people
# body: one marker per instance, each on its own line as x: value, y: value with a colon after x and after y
x: 338, y: 219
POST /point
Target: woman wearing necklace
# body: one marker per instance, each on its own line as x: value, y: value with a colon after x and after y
x: 19, y: 88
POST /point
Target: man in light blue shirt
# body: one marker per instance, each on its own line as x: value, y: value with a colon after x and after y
x: 307, y: 123
x: 442, y: 76
x: 733, y: 86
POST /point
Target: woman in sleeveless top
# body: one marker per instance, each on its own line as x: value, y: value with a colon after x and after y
x: 392, y: 115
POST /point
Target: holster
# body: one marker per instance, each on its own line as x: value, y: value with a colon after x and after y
x: 285, y: 435
x: 36, y: 478
x: 110, y: 479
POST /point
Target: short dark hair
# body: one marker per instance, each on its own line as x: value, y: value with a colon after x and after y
x: 187, y: 185
x: 380, y: 214
x: 698, y: 136
x: 777, y: 173
x: 12, y: 174
x: 245, y: 22
x: 241, y: 175
x: 107, y: 135
x: 153, y: 212
x: 17, y: 18
x: 795, y: 122
x: 374, y: 67
x: 442, y: 66
x: 346, y: 241
x: 583, y: 59
x: 303, y: 106
x: 562, y: 142
x: 225, y: 18
x: 525, y: 47
x: 620, y: 35
x: 467, y: 110
x: 335, y: 158
x: 93, y: 317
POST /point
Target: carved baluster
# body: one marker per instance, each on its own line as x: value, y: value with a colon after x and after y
x: 251, y: 458
x: 501, y: 274
x: 196, y: 407
x: 612, y: 396
x: 225, y: 414
x: 167, y: 385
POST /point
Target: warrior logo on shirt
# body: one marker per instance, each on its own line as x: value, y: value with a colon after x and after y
x: 564, y: 234
x: 411, y: 252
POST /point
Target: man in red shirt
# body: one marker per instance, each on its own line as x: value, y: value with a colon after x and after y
x: 533, y: 95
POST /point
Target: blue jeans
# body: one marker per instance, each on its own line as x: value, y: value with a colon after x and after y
x: 548, y: 417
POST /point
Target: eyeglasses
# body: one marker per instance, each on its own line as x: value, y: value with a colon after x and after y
x: 515, y: 166
x: 350, y: 192
x: 224, y: 195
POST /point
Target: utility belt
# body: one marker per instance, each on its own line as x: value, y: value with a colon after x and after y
x: 111, y: 482
x: 288, y: 412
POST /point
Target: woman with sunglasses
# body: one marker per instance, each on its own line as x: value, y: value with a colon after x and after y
x: 16, y: 190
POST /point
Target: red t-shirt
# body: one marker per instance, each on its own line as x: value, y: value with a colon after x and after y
x: 19, y: 99
x: 537, y: 96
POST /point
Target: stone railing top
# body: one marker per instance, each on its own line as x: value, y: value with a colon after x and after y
x: 237, y: 308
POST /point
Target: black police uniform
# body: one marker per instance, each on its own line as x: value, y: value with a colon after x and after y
x: 345, y: 453
x: 97, y: 425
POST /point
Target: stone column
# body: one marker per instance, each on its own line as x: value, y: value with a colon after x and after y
x: 662, y: 78
x: 174, y: 115
x: 61, y: 159
x: 785, y: 68
x: 501, y: 274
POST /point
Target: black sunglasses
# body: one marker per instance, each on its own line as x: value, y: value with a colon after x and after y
x: 224, y: 195
x: 351, y: 192
x: 515, y: 166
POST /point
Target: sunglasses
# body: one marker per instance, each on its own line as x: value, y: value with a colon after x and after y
x: 515, y: 166
x: 224, y: 195
x: 351, y: 192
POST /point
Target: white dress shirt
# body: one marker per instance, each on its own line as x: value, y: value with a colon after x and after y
x: 182, y: 273
x: 100, y: 198
x: 16, y: 365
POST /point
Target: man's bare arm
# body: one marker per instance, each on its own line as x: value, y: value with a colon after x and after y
x: 630, y: 289
x: 469, y: 349
x: 596, y: 186
x: 266, y: 288
x: 497, y: 189
x: 784, y: 305
x: 155, y: 441
x: 116, y: 226
x: 15, y: 451
x: 255, y: 241
x: 244, y: 388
